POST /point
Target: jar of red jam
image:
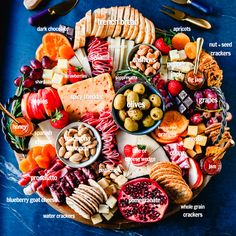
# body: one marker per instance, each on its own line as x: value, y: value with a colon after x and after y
x: 210, y: 166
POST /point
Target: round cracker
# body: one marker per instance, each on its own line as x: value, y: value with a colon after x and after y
x: 89, y: 195
x: 97, y: 186
x: 168, y: 165
x: 81, y: 203
x: 77, y: 208
x: 172, y: 181
x: 89, y: 202
x: 92, y: 190
x: 167, y: 176
x: 161, y: 172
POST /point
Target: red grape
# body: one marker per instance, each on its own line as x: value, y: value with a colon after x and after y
x: 17, y: 81
x: 28, y: 83
x: 198, y: 96
x: 36, y: 74
x: 35, y: 64
x: 206, y: 115
x: 196, y: 119
x: 46, y: 62
x: 25, y: 70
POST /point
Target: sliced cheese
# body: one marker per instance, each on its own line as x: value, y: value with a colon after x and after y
x: 39, y: 138
x: 90, y: 95
x: 180, y: 66
x: 122, y: 54
x: 83, y: 59
x: 75, y: 62
x: 49, y: 131
x: 117, y: 54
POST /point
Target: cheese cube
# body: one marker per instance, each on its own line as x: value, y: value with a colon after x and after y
x: 189, y: 143
x: 120, y: 180
x: 174, y: 55
x: 47, y: 74
x: 108, y: 216
x: 113, y: 210
x: 111, y: 201
x: 111, y: 189
x: 47, y: 82
x: 103, y: 183
x: 58, y: 80
x: 96, y: 219
x: 198, y: 149
x: 182, y: 55
x: 103, y: 209
x: 62, y: 64
x: 192, y: 130
x: 191, y: 153
x: 201, y: 140
x: 201, y: 128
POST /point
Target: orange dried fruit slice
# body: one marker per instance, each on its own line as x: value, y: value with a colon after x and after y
x: 52, y: 42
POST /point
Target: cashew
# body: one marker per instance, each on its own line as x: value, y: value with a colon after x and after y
x: 70, y: 148
x: 91, y: 133
x: 133, y: 65
x: 86, y: 143
x: 83, y: 131
x: 140, y: 66
x: 68, y: 155
x: 150, y: 50
x: 156, y: 66
x: 93, y: 151
x: 62, y: 151
x: 71, y: 132
x: 75, y: 158
x: 143, y: 49
x: 80, y: 127
x: 61, y: 141
x: 66, y: 136
x: 86, y: 152
x: 69, y: 142
x: 84, y: 159
x: 75, y: 144
x: 150, y: 70
x: 93, y: 145
x: 81, y: 151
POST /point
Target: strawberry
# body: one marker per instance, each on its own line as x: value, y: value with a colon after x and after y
x: 162, y: 46
x: 60, y: 119
x: 174, y: 87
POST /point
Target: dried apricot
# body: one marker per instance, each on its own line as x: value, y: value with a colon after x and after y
x: 191, y: 50
x: 66, y: 52
x: 180, y: 40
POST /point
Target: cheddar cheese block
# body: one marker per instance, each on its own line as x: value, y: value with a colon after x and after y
x: 94, y: 95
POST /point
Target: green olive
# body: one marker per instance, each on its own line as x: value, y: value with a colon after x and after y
x: 127, y: 91
x: 156, y: 113
x: 132, y: 97
x: 148, y: 121
x: 146, y: 104
x: 135, y: 114
x: 122, y: 115
x: 139, y: 88
x: 155, y: 100
x: 130, y: 125
x: 119, y: 102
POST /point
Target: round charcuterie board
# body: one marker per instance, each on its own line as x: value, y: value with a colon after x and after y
x: 119, y: 124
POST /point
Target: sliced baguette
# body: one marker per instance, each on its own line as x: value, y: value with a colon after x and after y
x: 107, y: 12
x: 148, y: 33
x: 88, y: 17
x: 136, y: 27
x: 101, y: 26
x: 153, y: 31
x: 112, y: 25
x: 131, y: 27
x: 126, y: 17
x: 80, y: 35
x: 119, y: 26
x: 141, y: 33
x: 96, y: 14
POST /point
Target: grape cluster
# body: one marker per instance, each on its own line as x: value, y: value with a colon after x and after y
x: 31, y: 75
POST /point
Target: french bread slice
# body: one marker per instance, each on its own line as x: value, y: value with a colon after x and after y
x: 88, y: 17
x: 101, y: 26
x: 96, y: 14
x: 148, y: 33
x: 80, y: 35
x: 119, y: 26
x: 113, y: 18
x: 141, y: 33
x: 131, y: 27
x: 153, y: 31
x: 126, y: 17
x: 136, y: 27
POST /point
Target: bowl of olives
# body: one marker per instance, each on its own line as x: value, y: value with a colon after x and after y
x: 138, y: 108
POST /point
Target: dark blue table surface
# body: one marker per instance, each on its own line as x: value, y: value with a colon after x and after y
x: 18, y: 44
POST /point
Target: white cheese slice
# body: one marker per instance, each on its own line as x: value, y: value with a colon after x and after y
x: 164, y: 60
x: 47, y: 73
x: 130, y: 45
x: 62, y: 64
x: 182, y: 55
x: 38, y: 138
x: 122, y: 53
x: 155, y: 151
x: 180, y: 66
x: 176, y: 76
x: 49, y: 131
x: 117, y: 54
x: 82, y: 57
x: 174, y: 55
x: 75, y: 62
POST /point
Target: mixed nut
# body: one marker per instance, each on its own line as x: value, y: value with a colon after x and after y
x: 146, y: 60
x: 77, y: 145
